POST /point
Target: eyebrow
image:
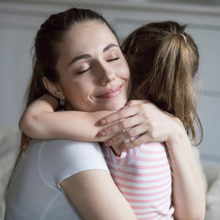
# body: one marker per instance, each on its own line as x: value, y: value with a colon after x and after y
x: 80, y: 57
x: 109, y: 46
x: 87, y: 56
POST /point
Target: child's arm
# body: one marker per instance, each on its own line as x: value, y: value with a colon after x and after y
x: 40, y: 121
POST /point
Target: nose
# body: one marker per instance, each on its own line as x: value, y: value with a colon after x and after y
x: 107, y: 74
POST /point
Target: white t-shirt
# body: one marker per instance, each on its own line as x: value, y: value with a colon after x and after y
x: 34, y: 192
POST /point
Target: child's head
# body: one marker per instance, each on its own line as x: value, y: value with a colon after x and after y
x: 163, y: 60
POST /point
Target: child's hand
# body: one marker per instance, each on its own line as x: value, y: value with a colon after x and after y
x: 146, y: 121
x: 24, y: 142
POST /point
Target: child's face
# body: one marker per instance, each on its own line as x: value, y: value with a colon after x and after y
x: 94, y: 74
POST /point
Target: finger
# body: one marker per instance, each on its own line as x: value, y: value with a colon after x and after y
x: 116, y: 139
x: 24, y: 147
x: 136, y: 102
x: 128, y: 135
x: 25, y: 143
x: 28, y: 138
x: 145, y: 138
x: 116, y: 150
x: 110, y: 130
x: 120, y: 126
x: 120, y: 114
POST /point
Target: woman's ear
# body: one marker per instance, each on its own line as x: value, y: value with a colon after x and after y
x: 53, y: 88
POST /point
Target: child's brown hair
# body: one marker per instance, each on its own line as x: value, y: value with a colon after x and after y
x: 163, y: 60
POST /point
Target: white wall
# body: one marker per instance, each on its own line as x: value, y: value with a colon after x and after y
x: 19, y: 22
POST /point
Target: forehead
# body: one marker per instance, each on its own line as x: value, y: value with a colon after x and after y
x: 84, y: 36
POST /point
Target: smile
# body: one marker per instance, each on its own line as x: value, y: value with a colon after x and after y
x: 111, y: 93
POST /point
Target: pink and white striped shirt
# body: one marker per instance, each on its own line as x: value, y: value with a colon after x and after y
x: 143, y: 176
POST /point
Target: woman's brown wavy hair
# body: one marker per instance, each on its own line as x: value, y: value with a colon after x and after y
x: 46, y: 53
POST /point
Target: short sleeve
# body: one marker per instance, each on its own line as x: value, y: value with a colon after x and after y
x: 59, y: 159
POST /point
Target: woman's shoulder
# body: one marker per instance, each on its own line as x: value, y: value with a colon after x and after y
x: 62, y: 158
x: 74, y: 150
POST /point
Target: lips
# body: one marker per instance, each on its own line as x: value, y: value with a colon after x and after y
x: 110, y: 93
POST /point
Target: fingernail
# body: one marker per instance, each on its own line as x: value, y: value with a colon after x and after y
x: 126, y: 141
x: 133, y: 138
x: 102, y: 122
x: 108, y: 143
x: 101, y: 134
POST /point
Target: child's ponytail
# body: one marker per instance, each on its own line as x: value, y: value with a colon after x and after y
x: 163, y: 61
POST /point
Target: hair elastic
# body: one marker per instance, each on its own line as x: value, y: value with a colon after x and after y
x: 184, y: 37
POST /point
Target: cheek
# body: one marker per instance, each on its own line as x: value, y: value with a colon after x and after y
x: 73, y: 91
x: 69, y: 88
x: 77, y: 90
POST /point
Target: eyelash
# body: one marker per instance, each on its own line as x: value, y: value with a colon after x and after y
x: 113, y: 59
x: 91, y: 67
x: 84, y: 70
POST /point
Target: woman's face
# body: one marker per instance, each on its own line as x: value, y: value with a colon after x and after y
x: 94, y: 74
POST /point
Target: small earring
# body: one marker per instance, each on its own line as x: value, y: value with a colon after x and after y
x: 62, y: 102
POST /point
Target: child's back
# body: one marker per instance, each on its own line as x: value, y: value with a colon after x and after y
x: 143, y: 176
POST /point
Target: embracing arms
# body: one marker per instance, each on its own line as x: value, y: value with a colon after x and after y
x: 155, y: 125
x: 40, y: 121
x: 92, y: 192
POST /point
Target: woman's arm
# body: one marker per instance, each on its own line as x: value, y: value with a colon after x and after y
x: 96, y: 196
x: 40, y: 121
x: 155, y: 125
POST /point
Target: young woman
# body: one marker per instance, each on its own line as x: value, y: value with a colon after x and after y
x: 111, y: 95
x: 42, y: 183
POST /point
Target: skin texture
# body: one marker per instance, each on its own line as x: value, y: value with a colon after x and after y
x: 94, y: 74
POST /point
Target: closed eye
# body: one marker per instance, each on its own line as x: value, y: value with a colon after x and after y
x: 84, y: 70
x: 113, y: 59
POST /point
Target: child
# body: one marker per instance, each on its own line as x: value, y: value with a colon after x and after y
x: 163, y: 60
